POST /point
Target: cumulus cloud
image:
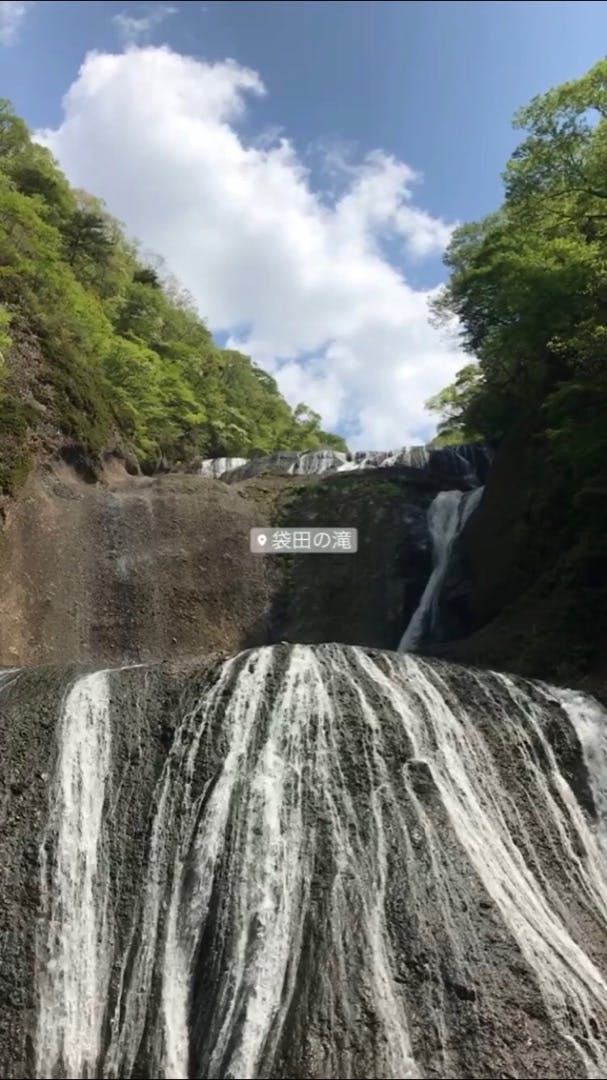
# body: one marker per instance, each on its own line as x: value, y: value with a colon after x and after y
x: 12, y: 15
x: 298, y: 279
x: 137, y: 29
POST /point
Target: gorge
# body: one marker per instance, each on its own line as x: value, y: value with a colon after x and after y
x: 269, y: 816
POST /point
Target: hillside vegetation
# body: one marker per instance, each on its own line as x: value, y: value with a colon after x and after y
x: 528, y: 285
x: 102, y: 350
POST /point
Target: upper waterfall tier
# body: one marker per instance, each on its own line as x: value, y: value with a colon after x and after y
x: 469, y: 463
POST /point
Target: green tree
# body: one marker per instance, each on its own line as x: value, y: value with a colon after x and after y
x: 528, y: 285
x: 453, y: 405
x: 528, y: 288
x: 14, y: 135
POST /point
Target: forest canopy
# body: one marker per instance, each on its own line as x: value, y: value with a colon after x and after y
x: 101, y: 347
x: 528, y: 287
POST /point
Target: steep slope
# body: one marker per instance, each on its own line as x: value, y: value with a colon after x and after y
x: 104, y: 351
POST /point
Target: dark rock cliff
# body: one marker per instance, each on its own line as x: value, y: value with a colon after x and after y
x: 108, y: 567
x: 414, y: 937
x: 126, y: 570
x: 367, y: 598
x: 530, y: 576
x: 133, y: 569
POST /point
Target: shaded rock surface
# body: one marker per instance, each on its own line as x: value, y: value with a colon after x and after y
x: 366, y: 598
x: 107, y: 566
x: 527, y: 589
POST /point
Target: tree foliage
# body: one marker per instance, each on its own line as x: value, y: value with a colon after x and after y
x: 452, y: 404
x: 528, y: 284
x: 125, y: 355
x: 528, y: 287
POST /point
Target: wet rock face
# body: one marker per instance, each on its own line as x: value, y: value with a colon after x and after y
x: 136, y: 568
x: 28, y: 719
x: 355, y: 864
x: 454, y: 618
x: 131, y: 570
x: 367, y: 598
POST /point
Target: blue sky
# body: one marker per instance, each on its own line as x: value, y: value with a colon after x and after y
x: 430, y: 86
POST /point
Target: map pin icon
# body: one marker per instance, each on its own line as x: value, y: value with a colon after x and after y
x: 262, y: 539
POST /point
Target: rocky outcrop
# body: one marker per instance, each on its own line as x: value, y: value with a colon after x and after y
x: 494, y: 543
x: 128, y: 570
x: 105, y: 567
x: 112, y: 568
x: 527, y: 590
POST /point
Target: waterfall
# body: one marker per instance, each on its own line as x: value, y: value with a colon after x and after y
x: 75, y: 889
x: 447, y: 516
x: 356, y: 864
x: 465, y: 463
x: 315, y: 462
x: 216, y: 467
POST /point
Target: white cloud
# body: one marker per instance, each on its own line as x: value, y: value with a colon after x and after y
x: 137, y: 29
x: 299, y: 280
x: 12, y: 15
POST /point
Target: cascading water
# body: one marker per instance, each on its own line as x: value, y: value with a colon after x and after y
x: 306, y: 861
x: 355, y: 864
x: 447, y: 516
x: 216, y: 467
x: 469, y: 464
x: 75, y: 888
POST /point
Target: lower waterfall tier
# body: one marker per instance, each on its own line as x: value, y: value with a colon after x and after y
x: 305, y: 861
